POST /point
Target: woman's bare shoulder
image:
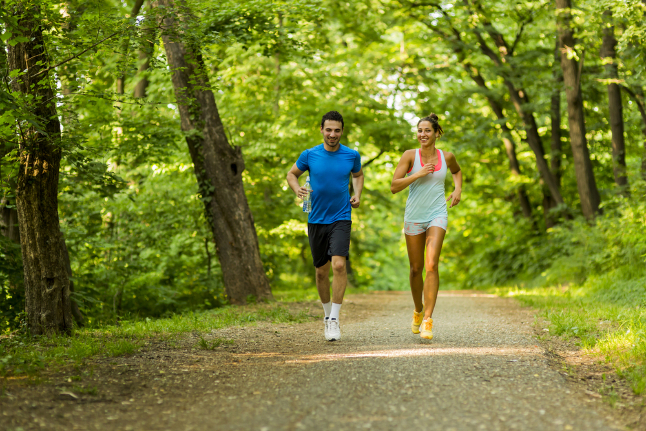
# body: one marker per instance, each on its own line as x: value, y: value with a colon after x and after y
x: 448, y: 155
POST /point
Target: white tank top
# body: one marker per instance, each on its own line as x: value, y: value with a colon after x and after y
x: 426, y: 199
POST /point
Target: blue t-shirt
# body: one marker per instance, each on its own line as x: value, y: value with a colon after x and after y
x: 329, y: 178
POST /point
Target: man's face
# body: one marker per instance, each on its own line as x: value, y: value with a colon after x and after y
x: 332, y: 131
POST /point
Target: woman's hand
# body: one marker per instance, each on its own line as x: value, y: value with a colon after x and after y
x: 426, y: 169
x: 455, y: 198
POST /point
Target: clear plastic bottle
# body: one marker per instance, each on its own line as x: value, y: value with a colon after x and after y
x: 307, y: 200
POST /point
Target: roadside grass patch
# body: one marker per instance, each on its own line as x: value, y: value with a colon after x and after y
x: 217, y: 342
x: 607, y: 319
x: 24, y: 355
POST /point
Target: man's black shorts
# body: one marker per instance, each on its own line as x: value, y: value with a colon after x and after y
x: 327, y: 240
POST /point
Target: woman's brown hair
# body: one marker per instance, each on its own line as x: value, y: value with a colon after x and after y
x: 434, y: 120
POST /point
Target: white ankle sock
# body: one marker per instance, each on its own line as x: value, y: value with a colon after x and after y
x: 334, y: 313
x: 327, y: 307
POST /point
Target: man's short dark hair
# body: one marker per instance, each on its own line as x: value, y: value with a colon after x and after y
x: 332, y: 116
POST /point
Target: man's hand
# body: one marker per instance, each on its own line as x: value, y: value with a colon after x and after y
x: 302, y: 192
x: 455, y: 198
x: 355, y: 201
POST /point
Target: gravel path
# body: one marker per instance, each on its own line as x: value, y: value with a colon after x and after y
x: 482, y: 371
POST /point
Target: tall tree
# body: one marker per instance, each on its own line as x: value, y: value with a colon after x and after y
x: 637, y: 94
x: 125, y: 46
x: 47, y: 284
x: 146, y: 49
x: 501, y: 57
x: 458, y: 46
x: 218, y: 166
x: 572, y: 68
x: 556, y: 149
x: 609, y: 56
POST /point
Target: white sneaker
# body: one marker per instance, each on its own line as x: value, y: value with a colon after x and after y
x: 333, y: 330
x: 327, y: 327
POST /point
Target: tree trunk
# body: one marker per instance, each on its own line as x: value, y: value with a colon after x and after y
x: 507, y: 140
x: 47, y: 287
x: 637, y: 94
x: 556, y: 149
x: 518, y: 96
x: 142, y: 85
x: 609, y: 54
x: 525, y: 110
x: 76, y: 312
x: 125, y: 46
x: 586, y: 184
x: 145, y: 53
x: 9, y: 228
x: 218, y: 166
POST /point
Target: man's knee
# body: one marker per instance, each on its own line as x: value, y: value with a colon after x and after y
x: 322, y: 273
x: 338, y: 265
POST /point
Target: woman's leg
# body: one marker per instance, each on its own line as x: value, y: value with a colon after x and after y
x: 434, y: 240
x: 415, y: 246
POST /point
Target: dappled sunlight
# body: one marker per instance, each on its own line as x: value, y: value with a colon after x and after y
x: 399, y: 353
x: 465, y: 293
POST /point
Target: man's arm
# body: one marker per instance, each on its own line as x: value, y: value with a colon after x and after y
x: 357, y: 185
x: 292, y: 180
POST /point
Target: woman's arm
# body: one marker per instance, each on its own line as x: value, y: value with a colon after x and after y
x: 400, y: 180
x: 456, y: 172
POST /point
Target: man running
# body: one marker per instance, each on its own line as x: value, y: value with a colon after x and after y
x: 329, y: 165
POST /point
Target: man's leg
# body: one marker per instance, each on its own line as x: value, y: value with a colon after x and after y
x: 339, y: 279
x: 339, y: 250
x: 319, y: 244
x: 323, y: 282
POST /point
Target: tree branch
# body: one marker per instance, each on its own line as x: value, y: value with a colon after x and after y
x: 365, y: 165
x: 519, y: 35
x: 75, y: 56
x: 640, y: 104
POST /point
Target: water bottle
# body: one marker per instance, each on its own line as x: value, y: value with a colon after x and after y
x: 307, y: 200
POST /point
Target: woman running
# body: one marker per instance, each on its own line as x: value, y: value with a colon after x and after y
x: 426, y: 217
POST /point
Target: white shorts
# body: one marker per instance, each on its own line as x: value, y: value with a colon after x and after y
x: 414, y: 228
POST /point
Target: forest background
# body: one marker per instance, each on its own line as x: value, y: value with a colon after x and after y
x: 531, y: 216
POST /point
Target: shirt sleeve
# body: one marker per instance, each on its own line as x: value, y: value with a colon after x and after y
x: 302, y: 162
x: 357, y: 163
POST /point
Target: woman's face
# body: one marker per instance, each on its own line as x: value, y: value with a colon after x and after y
x: 425, y: 133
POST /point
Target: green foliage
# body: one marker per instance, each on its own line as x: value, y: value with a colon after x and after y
x: 600, y: 317
x: 12, y: 298
x: 134, y: 221
x: 22, y: 354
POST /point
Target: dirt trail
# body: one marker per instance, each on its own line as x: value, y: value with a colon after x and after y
x: 483, y: 371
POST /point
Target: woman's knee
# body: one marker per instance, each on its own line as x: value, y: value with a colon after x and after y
x: 431, y: 267
x: 416, y: 270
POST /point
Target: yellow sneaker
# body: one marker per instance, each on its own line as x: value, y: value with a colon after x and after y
x: 427, y: 329
x: 417, y: 320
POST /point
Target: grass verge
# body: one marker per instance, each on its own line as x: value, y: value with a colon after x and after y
x: 22, y: 355
x: 602, y: 320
